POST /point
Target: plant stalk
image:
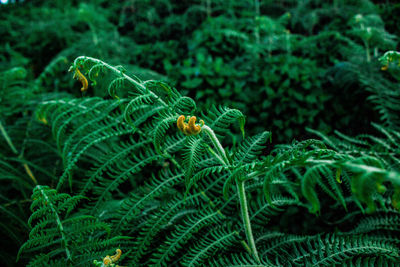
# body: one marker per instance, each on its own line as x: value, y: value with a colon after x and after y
x: 246, y: 218
x: 367, y: 51
x: 8, y: 139
x: 241, y: 191
x: 216, y: 143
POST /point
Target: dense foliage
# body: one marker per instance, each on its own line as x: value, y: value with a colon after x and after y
x: 192, y: 133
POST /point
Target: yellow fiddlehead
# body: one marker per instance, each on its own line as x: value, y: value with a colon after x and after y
x: 389, y: 57
x: 110, y: 260
x: 43, y: 120
x: 116, y: 257
x: 181, y: 123
x: 190, y: 128
x: 82, y: 79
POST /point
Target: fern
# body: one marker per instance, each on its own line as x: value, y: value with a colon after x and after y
x: 195, y: 199
x: 120, y: 179
x: 213, y: 243
x: 60, y: 235
x: 182, y: 235
x: 333, y: 250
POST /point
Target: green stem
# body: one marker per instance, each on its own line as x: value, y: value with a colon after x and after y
x: 216, y: 143
x: 8, y: 139
x: 257, y: 15
x: 11, y: 145
x: 246, y: 218
x: 367, y: 51
x: 241, y: 191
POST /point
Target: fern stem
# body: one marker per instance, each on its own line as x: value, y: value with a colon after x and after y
x: 241, y: 192
x: 15, y: 151
x: 367, y: 51
x: 58, y: 220
x: 216, y: 143
x: 246, y: 218
x: 8, y: 139
x: 257, y: 15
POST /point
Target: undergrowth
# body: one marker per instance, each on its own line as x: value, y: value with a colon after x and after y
x: 279, y: 147
x: 140, y: 173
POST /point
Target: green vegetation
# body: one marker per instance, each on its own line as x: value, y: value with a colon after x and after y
x: 199, y: 133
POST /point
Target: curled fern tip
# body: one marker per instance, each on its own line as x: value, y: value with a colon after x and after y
x: 190, y: 128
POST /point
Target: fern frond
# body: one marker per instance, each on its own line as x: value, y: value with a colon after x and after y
x: 335, y: 250
x: 137, y: 103
x: 251, y: 148
x: 216, y: 241
x: 182, y: 235
x: 156, y: 223
x: 191, y: 156
x: 134, y: 204
x: 55, y: 232
x: 106, y: 186
x: 377, y: 223
x: 316, y: 175
x: 111, y: 160
x: 220, y: 118
x: 237, y: 260
x: 161, y: 127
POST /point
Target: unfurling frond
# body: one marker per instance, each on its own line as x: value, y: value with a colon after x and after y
x: 109, y: 260
x: 78, y: 75
x: 190, y: 128
x: 389, y: 57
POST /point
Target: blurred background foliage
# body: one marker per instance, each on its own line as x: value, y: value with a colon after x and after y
x: 288, y: 65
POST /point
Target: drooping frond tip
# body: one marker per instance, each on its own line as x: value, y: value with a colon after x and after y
x: 43, y: 120
x: 388, y: 57
x: 78, y: 75
x: 190, y: 128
